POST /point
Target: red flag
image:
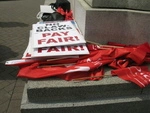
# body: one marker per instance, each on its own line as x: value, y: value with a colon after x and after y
x: 84, y: 63
x: 119, y: 63
x: 121, y: 52
x: 35, y: 71
x: 96, y: 74
x: 139, y: 54
x: 135, y: 74
x: 89, y: 67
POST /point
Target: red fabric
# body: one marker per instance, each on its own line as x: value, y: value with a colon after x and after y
x: 120, y: 63
x: 138, y: 75
x: 33, y: 71
x: 138, y: 54
x: 90, y: 67
x: 121, y: 52
x: 68, y: 15
x: 80, y: 76
x: 84, y: 63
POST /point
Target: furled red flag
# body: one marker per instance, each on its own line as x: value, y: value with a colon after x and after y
x: 139, y: 53
x: 90, y: 67
x: 135, y: 74
x: 34, y: 71
x: 119, y: 63
x: 96, y: 74
x: 43, y: 69
x: 85, y: 63
x: 120, y: 60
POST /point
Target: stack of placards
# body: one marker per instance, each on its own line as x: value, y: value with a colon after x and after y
x: 55, y: 38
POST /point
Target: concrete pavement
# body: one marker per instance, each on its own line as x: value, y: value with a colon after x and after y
x: 16, y: 19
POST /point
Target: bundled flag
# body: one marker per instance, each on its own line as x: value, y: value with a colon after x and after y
x: 126, y: 62
x: 136, y: 74
x: 56, y: 38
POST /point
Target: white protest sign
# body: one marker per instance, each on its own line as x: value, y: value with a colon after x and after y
x: 28, y: 51
x: 56, y: 34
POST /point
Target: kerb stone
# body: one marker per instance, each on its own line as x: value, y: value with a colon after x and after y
x: 56, y: 90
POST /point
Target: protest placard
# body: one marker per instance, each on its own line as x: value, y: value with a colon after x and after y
x: 60, y: 51
x: 56, y: 34
x: 66, y: 50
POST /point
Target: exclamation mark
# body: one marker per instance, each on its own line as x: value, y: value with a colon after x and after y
x: 76, y: 38
x: 28, y: 55
x: 81, y: 46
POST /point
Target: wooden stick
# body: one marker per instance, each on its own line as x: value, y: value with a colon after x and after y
x: 55, y: 59
x: 107, y: 46
x: 43, y: 66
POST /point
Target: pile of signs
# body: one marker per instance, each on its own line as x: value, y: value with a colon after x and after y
x: 55, y: 39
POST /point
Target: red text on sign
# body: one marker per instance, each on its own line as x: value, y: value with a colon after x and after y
x: 61, y: 49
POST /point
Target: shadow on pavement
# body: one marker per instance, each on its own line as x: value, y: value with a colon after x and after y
x: 6, y: 53
x: 9, y: 0
x: 12, y: 24
x: 7, y: 72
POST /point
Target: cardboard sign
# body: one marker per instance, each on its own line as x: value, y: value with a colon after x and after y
x: 58, y: 51
x: 57, y: 39
x: 28, y: 51
x: 53, y: 26
x: 56, y: 34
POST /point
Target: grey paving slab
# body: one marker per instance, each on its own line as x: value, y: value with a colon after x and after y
x: 16, y: 19
x: 4, y: 97
x: 9, y: 89
x: 4, y: 106
x: 4, y: 84
x: 20, y: 82
x: 17, y: 96
x: 14, y: 106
